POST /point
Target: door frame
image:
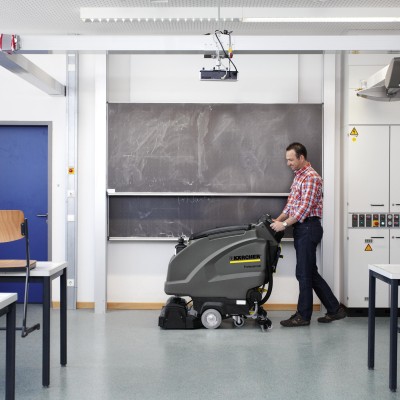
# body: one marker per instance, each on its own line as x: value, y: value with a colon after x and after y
x: 49, y: 125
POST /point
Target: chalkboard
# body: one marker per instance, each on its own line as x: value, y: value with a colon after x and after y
x: 173, y: 216
x: 202, y: 148
x: 222, y: 148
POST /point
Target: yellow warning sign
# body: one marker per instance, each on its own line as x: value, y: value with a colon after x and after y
x: 354, y: 132
x: 368, y: 247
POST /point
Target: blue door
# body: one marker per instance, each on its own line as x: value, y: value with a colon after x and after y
x: 24, y: 186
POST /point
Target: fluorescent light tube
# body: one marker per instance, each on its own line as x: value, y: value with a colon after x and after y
x: 321, y: 19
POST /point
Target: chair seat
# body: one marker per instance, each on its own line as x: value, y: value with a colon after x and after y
x: 15, y: 265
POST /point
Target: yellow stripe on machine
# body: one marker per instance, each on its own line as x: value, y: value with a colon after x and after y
x: 245, y: 261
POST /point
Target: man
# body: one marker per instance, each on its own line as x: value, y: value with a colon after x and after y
x: 303, y: 210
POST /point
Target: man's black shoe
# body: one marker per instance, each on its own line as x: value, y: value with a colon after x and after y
x: 295, y: 320
x: 340, y: 314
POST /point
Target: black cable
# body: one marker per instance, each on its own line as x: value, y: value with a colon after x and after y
x: 222, y: 47
x: 269, y: 275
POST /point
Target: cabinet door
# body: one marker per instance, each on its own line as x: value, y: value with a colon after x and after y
x: 368, y: 169
x: 395, y: 246
x: 365, y: 246
x: 395, y: 169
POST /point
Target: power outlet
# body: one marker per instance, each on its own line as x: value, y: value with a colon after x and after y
x: 70, y: 282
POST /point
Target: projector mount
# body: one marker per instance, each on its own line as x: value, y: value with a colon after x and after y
x: 220, y: 71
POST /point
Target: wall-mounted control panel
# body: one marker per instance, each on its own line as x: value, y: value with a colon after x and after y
x: 375, y: 220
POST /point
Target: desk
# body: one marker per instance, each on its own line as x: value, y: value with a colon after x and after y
x: 7, y: 306
x: 44, y: 273
x: 389, y: 273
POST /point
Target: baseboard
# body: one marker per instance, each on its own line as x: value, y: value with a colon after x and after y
x: 158, y: 306
x: 79, y: 304
x: 85, y: 304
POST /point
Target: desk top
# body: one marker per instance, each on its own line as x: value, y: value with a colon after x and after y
x: 7, y: 298
x: 391, y: 271
x: 43, y: 268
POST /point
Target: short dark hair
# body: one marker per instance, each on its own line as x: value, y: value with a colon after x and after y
x: 299, y: 149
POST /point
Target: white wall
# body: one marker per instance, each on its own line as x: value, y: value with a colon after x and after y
x: 175, y: 78
x: 20, y: 102
x: 132, y: 277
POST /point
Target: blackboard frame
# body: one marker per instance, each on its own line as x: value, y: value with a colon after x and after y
x: 156, y: 183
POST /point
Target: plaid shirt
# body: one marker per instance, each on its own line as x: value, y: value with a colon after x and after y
x: 305, y: 198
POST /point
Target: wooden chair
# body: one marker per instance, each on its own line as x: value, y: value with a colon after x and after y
x: 14, y: 226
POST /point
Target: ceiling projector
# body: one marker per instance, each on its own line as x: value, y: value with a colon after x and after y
x: 218, y: 75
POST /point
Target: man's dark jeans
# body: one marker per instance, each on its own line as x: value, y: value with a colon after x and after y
x: 306, y: 236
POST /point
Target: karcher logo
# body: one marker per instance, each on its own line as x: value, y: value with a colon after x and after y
x: 248, y: 258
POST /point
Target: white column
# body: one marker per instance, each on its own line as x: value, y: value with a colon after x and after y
x: 100, y: 168
x: 331, y: 167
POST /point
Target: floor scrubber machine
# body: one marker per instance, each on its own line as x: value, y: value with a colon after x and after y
x: 227, y: 272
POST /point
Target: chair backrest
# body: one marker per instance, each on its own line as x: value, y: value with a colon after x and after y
x: 10, y: 225
x: 14, y: 226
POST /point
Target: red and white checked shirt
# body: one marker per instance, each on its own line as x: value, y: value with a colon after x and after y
x: 305, y: 198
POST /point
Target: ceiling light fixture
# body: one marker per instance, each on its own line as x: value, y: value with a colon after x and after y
x: 242, y: 14
x: 321, y: 15
x: 322, y: 19
x: 117, y: 14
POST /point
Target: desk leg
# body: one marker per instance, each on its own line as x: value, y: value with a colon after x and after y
x: 10, y: 353
x: 46, y: 332
x: 393, y: 336
x: 371, y: 321
x: 63, y: 317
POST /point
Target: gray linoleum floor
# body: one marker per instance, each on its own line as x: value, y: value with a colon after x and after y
x: 124, y: 355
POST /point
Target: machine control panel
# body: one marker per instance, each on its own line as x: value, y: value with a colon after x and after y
x: 381, y: 220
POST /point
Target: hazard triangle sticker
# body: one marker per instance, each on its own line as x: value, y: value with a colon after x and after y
x: 354, y: 132
x: 368, y: 247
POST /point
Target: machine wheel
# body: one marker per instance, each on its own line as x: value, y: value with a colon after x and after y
x: 211, y: 319
x: 238, y: 321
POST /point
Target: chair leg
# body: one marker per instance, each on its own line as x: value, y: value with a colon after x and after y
x: 25, y: 329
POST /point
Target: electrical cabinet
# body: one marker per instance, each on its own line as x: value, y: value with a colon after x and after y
x: 368, y: 169
x: 373, y: 209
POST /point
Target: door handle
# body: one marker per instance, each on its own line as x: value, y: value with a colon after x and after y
x: 42, y: 215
